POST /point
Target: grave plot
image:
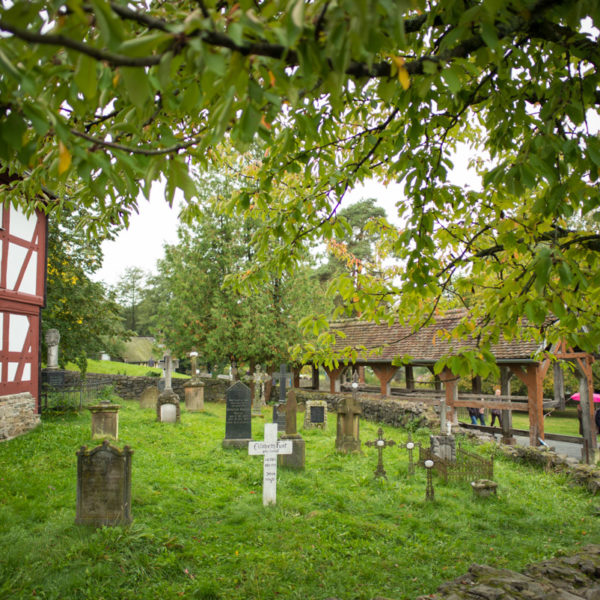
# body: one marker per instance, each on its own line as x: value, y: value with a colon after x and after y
x: 467, y: 467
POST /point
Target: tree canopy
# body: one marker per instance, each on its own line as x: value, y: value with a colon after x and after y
x: 101, y: 98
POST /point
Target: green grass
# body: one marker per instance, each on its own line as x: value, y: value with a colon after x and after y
x: 200, y: 530
x: 563, y: 422
x: 107, y: 367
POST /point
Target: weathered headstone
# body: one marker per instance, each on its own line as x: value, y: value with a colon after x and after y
x: 238, y: 418
x: 103, y: 486
x: 259, y: 379
x: 194, y: 389
x: 380, y: 443
x: 168, y: 396
x: 52, y: 340
x: 168, y: 413
x: 297, y: 458
x: 348, y: 423
x: 270, y: 448
x: 282, y: 378
x: 315, y: 415
x: 443, y: 446
x: 105, y: 420
x: 149, y: 397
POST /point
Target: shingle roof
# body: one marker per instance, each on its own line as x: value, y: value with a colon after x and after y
x: 425, y: 345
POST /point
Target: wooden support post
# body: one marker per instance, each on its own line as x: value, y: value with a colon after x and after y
x: 476, y: 384
x: 559, y: 385
x: 410, y: 378
x: 334, y: 378
x: 437, y: 382
x: 315, y: 377
x: 586, y: 402
x: 361, y: 375
x: 296, y: 377
x: 507, y: 436
x: 450, y: 381
x: 531, y: 376
x: 384, y: 373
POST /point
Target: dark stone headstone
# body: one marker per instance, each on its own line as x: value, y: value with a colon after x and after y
x: 238, y: 418
x: 279, y: 416
x: 53, y: 378
x: 317, y: 414
x: 103, y: 486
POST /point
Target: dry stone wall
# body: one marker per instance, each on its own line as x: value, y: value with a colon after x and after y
x: 380, y: 410
x: 18, y: 415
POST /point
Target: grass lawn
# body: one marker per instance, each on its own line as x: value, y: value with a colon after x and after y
x: 107, y: 367
x: 200, y: 530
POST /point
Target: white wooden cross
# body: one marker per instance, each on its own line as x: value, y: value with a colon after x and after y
x: 270, y: 448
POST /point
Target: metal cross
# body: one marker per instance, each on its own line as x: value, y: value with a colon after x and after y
x: 380, y: 443
x: 429, y: 491
x: 410, y: 446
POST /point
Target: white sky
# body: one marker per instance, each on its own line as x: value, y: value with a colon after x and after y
x: 142, y: 244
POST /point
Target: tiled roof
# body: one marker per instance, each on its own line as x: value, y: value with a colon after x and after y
x: 425, y: 345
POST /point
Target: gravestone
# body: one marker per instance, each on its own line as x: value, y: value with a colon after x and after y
x: 149, y: 397
x: 281, y: 378
x: 105, y: 420
x: 348, y: 424
x: 194, y: 389
x: 295, y: 460
x: 443, y: 446
x: 168, y: 396
x: 52, y: 340
x: 315, y: 415
x: 103, y: 486
x: 270, y: 449
x: 238, y: 418
x: 380, y: 443
x: 168, y: 413
x: 259, y: 379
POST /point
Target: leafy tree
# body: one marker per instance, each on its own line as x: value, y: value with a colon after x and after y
x: 101, y: 97
x: 82, y: 310
x: 129, y: 293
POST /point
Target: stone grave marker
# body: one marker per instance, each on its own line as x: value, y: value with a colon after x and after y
x: 194, y: 388
x: 105, y: 420
x: 443, y: 446
x: 297, y: 458
x: 281, y: 378
x: 270, y: 449
x: 348, y: 423
x: 315, y: 416
x: 149, y: 397
x: 103, y: 486
x: 380, y: 443
x: 168, y: 396
x: 238, y: 417
x: 259, y: 379
x: 52, y: 341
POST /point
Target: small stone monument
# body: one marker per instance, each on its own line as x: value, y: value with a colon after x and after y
x: 443, y: 446
x: 484, y: 488
x: 348, y: 423
x: 167, y: 405
x: 278, y: 412
x: 194, y: 388
x: 380, y: 443
x: 259, y: 379
x: 297, y: 458
x: 103, y: 486
x: 238, y: 419
x: 315, y: 416
x: 105, y: 420
x: 270, y: 448
x: 52, y: 340
x: 149, y: 397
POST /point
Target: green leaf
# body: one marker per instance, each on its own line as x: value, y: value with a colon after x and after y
x: 137, y: 85
x: 249, y: 123
x: 490, y: 35
x: 542, y: 268
x: 85, y: 76
x: 451, y: 78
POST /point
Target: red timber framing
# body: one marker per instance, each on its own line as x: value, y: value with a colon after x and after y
x: 22, y: 296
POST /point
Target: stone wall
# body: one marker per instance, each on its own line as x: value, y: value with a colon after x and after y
x: 17, y: 415
x: 398, y: 413
x: 575, y: 577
